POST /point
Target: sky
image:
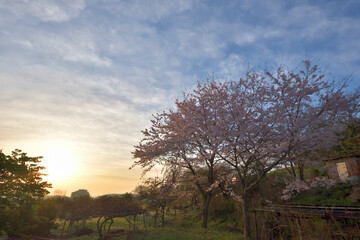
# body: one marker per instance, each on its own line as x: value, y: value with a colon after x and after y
x: 80, y: 79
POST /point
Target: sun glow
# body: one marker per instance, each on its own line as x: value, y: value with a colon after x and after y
x: 59, y: 163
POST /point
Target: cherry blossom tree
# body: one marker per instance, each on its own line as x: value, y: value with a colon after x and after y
x: 279, y: 119
x: 263, y: 121
x: 314, y: 109
x: 188, y: 139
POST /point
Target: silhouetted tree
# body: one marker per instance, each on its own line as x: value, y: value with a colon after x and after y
x: 21, y: 186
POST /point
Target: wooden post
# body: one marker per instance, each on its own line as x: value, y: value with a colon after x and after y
x: 62, y: 231
x: 144, y: 219
x: 256, y: 227
x: 299, y: 225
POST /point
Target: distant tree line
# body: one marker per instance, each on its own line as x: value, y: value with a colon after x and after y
x: 26, y: 211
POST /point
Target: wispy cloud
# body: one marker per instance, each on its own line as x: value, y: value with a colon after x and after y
x: 43, y: 10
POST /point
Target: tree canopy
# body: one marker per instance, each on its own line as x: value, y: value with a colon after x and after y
x: 264, y: 120
x: 20, y: 174
x: 21, y: 185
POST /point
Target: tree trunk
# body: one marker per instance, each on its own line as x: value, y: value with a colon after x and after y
x: 156, y: 214
x: 301, y: 171
x: 246, y: 217
x: 205, y: 213
x: 163, y: 217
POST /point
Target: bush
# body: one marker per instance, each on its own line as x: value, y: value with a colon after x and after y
x: 339, y: 194
x: 27, y: 216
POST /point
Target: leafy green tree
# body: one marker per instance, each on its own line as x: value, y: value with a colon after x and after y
x: 21, y: 189
x: 159, y: 193
x: 349, y: 142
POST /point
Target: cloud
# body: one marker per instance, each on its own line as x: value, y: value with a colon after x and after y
x: 44, y: 10
x: 69, y: 46
x: 76, y: 46
x: 149, y: 11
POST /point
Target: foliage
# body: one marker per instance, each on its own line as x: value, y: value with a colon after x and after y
x: 158, y: 194
x: 21, y: 189
x: 348, y: 142
x: 20, y: 174
x: 62, y: 205
x: 85, y: 206
x: 338, y: 194
x: 108, y: 204
x: 295, y: 186
x: 185, y: 233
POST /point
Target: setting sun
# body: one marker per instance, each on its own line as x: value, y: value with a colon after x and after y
x: 59, y: 163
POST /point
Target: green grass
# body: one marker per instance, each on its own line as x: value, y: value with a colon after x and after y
x: 176, y: 227
x: 118, y: 224
x: 170, y: 233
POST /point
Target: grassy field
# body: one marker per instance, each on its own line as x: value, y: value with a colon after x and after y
x: 175, y: 228
x: 170, y: 233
